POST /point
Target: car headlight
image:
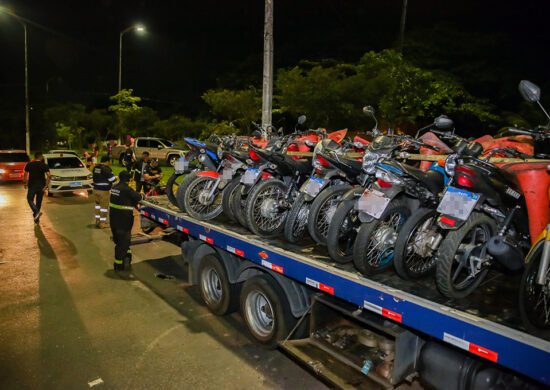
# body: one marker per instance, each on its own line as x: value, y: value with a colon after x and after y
x: 89, y: 177
x: 450, y: 165
x: 55, y: 177
x: 2, y: 171
x: 369, y: 161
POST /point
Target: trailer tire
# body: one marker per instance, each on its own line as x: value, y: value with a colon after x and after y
x: 266, y: 311
x: 220, y: 296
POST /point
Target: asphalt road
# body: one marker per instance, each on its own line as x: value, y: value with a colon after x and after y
x: 66, y: 319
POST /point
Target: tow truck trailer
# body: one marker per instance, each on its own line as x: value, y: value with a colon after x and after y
x: 353, y: 331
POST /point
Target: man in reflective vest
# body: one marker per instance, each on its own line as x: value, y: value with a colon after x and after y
x: 103, y: 181
x: 121, y: 214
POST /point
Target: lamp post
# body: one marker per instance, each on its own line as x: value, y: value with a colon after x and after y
x: 127, y: 29
x: 27, y: 120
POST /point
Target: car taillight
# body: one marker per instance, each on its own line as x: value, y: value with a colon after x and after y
x: 383, y: 184
x: 465, y: 181
x: 322, y: 161
x: 253, y: 155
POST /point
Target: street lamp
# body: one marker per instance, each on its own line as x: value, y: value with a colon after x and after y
x: 139, y: 29
x: 27, y: 121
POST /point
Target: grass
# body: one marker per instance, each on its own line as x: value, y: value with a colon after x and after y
x: 166, y: 171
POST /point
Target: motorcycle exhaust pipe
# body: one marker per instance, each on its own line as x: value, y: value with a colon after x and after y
x: 506, y: 252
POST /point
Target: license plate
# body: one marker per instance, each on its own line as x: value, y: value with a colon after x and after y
x: 250, y: 176
x: 457, y: 203
x: 181, y: 165
x: 76, y: 184
x: 227, y: 174
x: 374, y: 203
x: 313, y: 186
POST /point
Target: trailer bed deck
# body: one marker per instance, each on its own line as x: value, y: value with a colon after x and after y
x: 486, y: 324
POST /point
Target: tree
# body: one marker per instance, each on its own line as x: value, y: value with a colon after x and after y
x: 177, y: 127
x: 124, y: 105
x: 242, y: 106
x: 66, y: 122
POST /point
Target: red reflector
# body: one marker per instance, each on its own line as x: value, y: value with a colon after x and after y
x: 322, y: 161
x: 383, y: 184
x: 464, y: 181
x: 266, y: 175
x: 317, y: 170
x: 253, y: 155
x: 263, y: 255
x: 448, y: 221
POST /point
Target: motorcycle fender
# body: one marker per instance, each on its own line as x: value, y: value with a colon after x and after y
x: 212, y: 174
x: 365, y: 218
x: 543, y: 236
x: 353, y: 193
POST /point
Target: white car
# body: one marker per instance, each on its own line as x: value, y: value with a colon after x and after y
x: 68, y: 174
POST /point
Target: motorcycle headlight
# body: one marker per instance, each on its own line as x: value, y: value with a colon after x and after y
x: 219, y: 152
x: 388, y: 177
x: 202, y: 157
x: 55, y: 177
x: 450, y: 165
x: 369, y: 161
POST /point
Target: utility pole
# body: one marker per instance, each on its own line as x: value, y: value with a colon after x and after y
x: 267, y: 84
x: 27, y: 119
x: 402, y: 26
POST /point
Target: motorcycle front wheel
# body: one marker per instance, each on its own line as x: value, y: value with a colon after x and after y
x: 534, y: 299
x: 228, y: 195
x: 373, y: 251
x: 265, y: 209
x: 296, y: 222
x: 455, y: 276
x: 342, y: 232
x: 181, y: 188
x: 198, y: 202
x: 238, y: 204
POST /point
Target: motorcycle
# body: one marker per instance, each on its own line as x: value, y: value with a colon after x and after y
x: 493, y: 214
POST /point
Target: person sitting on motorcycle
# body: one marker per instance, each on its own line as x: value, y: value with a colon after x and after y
x: 152, y: 175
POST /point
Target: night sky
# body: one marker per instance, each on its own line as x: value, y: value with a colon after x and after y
x: 191, y: 46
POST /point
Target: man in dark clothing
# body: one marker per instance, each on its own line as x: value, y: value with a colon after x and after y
x: 37, y: 178
x: 103, y: 181
x: 152, y: 175
x: 139, y: 170
x: 121, y: 214
x: 128, y: 157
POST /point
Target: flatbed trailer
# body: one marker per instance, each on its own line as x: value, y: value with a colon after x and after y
x: 485, y: 325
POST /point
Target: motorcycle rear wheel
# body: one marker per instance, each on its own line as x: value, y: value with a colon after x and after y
x: 227, y: 197
x: 322, y: 211
x: 196, y: 206
x: 342, y: 232
x: 296, y: 222
x: 264, y: 214
x: 238, y: 205
x: 476, y: 230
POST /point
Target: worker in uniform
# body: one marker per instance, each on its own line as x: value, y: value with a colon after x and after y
x: 139, y: 170
x: 128, y: 157
x: 103, y: 181
x: 121, y: 213
x: 152, y: 175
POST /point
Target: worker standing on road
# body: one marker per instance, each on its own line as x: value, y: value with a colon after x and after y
x: 128, y: 158
x: 103, y: 181
x: 36, y: 181
x: 139, y: 170
x: 121, y: 214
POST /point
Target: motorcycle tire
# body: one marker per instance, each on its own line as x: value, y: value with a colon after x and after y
x: 530, y: 292
x: 262, y: 214
x: 365, y: 259
x: 322, y: 211
x: 402, y: 256
x: 445, y: 257
x: 227, y: 197
x: 296, y: 221
x: 342, y: 232
x: 170, y: 188
x: 195, y: 207
x: 238, y: 205
x: 182, y: 187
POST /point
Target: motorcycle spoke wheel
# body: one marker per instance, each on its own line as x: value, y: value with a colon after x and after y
x: 534, y: 299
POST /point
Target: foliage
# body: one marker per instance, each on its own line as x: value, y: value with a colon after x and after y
x: 241, y: 106
x: 220, y: 128
x: 404, y: 94
x: 125, y: 106
x: 177, y: 127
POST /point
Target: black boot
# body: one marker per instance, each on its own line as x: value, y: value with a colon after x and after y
x: 127, y: 262
x: 118, y: 267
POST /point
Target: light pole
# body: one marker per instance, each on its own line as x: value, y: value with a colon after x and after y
x: 27, y: 120
x: 127, y: 29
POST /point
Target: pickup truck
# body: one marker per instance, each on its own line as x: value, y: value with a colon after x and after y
x: 159, y: 148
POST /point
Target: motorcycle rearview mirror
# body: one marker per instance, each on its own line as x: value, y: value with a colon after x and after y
x: 443, y: 122
x: 529, y: 91
x: 280, y: 131
x: 302, y: 119
x: 369, y: 110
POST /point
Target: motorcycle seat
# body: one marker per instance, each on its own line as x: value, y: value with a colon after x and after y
x: 303, y: 165
x: 240, y: 155
x: 432, y: 179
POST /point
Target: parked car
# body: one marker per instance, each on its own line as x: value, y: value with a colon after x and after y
x: 159, y: 148
x: 12, y: 164
x: 68, y: 174
x: 63, y: 151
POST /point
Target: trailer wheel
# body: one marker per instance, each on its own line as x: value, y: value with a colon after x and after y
x: 266, y: 310
x: 217, y: 292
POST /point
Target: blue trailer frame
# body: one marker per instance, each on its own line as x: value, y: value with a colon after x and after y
x: 500, y: 344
